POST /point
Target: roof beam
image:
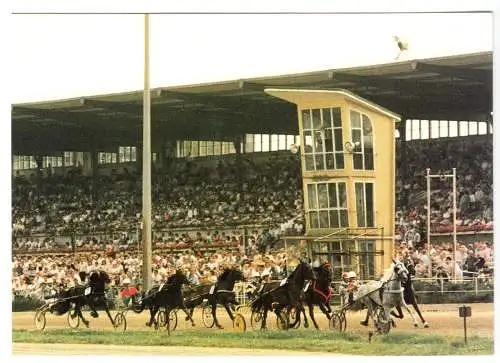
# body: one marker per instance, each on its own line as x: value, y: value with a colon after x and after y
x: 408, y: 85
x: 480, y: 75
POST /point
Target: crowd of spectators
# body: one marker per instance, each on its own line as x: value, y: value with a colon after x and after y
x: 471, y: 260
x: 185, y: 195
x: 473, y: 160
x: 43, y: 275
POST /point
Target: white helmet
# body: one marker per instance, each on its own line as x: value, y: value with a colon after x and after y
x: 316, y: 264
x: 351, y: 274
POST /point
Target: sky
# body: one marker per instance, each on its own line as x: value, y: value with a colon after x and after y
x: 64, y: 56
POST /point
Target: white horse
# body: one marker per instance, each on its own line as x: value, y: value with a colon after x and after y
x: 383, y: 295
x: 389, y: 294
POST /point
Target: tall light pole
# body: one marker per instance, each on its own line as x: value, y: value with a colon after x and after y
x: 429, y: 176
x: 146, y: 166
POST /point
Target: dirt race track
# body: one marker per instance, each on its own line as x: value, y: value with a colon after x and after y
x: 443, y: 319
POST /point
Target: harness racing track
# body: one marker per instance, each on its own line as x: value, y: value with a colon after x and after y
x: 443, y: 320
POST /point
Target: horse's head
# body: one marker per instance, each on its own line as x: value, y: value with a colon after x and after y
x: 178, y: 279
x: 325, y: 273
x: 235, y: 275
x: 400, y: 271
x: 302, y: 273
x: 410, y: 267
x: 98, y: 280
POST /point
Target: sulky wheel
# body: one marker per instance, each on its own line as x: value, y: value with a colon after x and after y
x: 343, y: 321
x: 163, y: 322
x: 207, y: 317
x: 73, y: 318
x: 40, y: 320
x: 293, y: 316
x: 256, y: 319
x: 336, y: 322
x: 120, y: 322
x: 282, y: 320
x: 173, y: 319
x: 239, y: 323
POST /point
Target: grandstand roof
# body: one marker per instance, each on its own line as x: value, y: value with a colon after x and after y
x: 454, y: 88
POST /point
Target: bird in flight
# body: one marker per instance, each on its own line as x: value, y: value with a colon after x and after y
x: 402, y: 45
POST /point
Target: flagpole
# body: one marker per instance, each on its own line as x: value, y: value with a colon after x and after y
x: 146, y: 166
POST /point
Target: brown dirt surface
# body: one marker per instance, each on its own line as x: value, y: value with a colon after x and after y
x: 443, y: 319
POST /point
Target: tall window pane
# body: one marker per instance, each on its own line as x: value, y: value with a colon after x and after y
x: 424, y: 129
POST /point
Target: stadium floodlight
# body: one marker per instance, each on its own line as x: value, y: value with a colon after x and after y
x: 402, y: 45
x: 351, y: 146
x: 442, y: 177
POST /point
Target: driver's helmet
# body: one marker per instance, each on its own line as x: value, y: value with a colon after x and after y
x: 345, y: 275
x: 351, y: 275
x: 316, y: 264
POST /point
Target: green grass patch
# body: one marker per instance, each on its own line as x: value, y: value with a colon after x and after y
x: 394, y: 343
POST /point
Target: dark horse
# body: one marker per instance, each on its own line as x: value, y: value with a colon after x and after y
x: 168, y: 296
x: 285, y: 294
x: 408, y: 294
x: 219, y: 293
x: 91, y: 294
x: 318, y: 293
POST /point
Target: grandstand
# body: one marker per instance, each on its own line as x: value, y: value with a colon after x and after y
x: 223, y: 177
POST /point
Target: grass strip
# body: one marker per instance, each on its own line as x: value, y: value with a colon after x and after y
x: 395, y: 343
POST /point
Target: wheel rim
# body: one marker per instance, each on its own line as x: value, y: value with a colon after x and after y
x: 208, y: 319
x: 161, y: 320
x: 173, y: 320
x: 239, y: 323
x: 120, y: 322
x: 255, y: 318
x: 294, y: 316
x: 336, y: 322
x: 40, y: 320
x: 73, y: 322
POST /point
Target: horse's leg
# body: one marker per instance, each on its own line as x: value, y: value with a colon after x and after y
x: 264, y: 315
x: 189, y: 314
x: 78, y: 311
x: 413, y: 302
x: 108, y: 313
x: 303, y: 309
x: 214, y: 314
x: 415, y: 323
x: 367, y: 318
x: 311, y: 314
x: 325, y: 310
x: 229, y: 312
x: 399, y: 315
x: 151, y: 316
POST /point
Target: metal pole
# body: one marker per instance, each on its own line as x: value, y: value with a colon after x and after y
x: 429, y: 220
x: 454, y: 221
x: 146, y: 166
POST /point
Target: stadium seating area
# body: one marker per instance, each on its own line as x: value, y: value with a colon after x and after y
x: 239, y: 193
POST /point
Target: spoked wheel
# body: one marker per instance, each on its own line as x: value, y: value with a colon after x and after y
x: 343, y: 320
x: 206, y: 316
x: 120, y: 322
x: 173, y: 319
x: 282, y: 320
x: 40, y: 320
x: 336, y: 322
x: 256, y: 319
x: 239, y: 323
x: 73, y: 318
x: 163, y: 322
x: 293, y: 316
